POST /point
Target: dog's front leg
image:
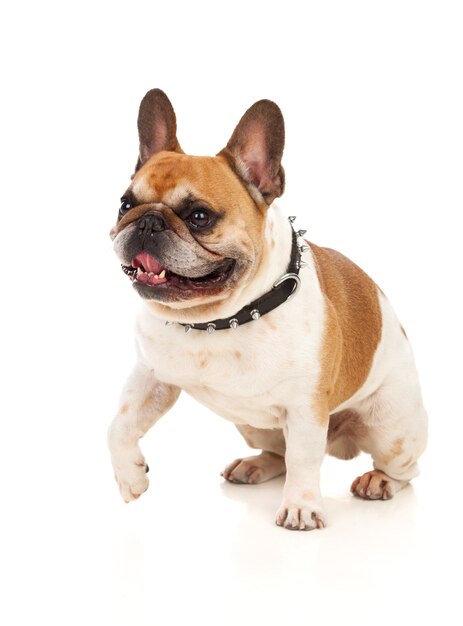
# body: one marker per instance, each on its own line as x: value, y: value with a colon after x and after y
x: 305, y: 433
x: 143, y: 401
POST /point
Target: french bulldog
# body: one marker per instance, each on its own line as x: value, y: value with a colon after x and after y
x: 291, y: 342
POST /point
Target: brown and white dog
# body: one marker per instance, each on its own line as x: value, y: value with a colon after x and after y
x: 329, y: 370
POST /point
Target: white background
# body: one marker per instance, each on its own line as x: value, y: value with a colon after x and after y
x: 372, y: 97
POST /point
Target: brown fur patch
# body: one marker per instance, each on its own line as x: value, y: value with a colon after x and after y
x: 353, y: 327
x: 201, y: 358
x: 147, y: 401
x: 124, y: 408
x: 238, y: 354
x: 408, y: 462
x: 396, y: 449
x: 269, y: 323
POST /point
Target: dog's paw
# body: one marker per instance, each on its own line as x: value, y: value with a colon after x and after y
x: 131, y: 478
x: 255, y: 469
x: 374, y: 485
x: 301, y: 516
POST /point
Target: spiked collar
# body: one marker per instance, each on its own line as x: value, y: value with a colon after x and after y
x: 282, y: 290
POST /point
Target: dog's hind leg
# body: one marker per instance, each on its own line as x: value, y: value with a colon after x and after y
x: 396, y: 437
x: 264, y: 466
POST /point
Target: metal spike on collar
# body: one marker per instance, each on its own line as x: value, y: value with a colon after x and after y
x: 255, y: 314
x: 188, y: 327
x: 292, y: 218
x: 304, y: 247
x: 233, y: 323
x: 302, y: 264
x: 301, y: 233
x: 210, y: 328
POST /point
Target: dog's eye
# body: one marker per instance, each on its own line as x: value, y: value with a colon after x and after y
x: 199, y: 218
x: 126, y: 205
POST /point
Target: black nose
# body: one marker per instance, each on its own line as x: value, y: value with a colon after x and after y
x: 151, y: 223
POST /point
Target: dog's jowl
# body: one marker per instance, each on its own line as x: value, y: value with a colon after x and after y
x: 291, y: 342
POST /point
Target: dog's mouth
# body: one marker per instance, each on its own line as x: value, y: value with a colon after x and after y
x: 146, y: 271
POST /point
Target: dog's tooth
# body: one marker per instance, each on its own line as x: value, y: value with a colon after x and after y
x: 162, y: 274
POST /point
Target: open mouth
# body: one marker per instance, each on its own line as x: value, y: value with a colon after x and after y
x: 146, y: 271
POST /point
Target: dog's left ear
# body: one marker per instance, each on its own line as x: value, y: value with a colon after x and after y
x: 157, y: 126
x: 256, y: 147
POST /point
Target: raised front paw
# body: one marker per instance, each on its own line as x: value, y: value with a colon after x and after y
x: 302, y: 515
x: 131, y: 477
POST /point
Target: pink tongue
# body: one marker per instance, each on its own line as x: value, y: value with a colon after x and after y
x: 148, y: 262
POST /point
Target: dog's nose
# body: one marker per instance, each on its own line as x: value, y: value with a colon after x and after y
x: 152, y: 223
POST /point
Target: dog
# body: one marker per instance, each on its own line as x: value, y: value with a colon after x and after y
x: 291, y: 342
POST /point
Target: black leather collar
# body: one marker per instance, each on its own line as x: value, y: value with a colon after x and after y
x: 283, y: 289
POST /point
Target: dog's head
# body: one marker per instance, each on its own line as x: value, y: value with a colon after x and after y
x: 189, y: 232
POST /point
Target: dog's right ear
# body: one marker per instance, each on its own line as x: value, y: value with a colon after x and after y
x: 157, y: 126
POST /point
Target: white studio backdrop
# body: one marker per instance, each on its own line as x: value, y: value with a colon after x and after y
x: 372, y: 97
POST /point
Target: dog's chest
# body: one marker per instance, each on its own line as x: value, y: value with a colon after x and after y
x: 246, y: 376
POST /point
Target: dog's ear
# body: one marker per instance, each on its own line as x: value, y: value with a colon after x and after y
x: 157, y: 126
x: 256, y: 147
